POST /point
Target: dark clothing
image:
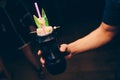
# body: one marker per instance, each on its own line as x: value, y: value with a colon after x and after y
x: 112, y: 12
x: 111, y: 16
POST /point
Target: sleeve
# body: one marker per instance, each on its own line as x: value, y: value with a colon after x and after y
x: 111, y: 13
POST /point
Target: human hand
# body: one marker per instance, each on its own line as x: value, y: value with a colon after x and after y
x: 66, y: 51
x: 63, y: 49
x: 41, y: 59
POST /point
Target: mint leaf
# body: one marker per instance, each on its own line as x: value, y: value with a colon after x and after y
x: 45, y: 17
x: 38, y: 24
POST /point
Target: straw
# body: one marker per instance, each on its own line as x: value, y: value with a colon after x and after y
x: 39, y: 15
x: 37, y: 9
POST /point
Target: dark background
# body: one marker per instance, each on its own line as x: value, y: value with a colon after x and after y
x: 77, y: 18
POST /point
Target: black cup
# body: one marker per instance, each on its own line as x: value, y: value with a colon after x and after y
x: 55, y: 62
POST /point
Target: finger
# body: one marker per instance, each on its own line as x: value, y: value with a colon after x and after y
x: 68, y: 56
x: 63, y: 47
x: 39, y: 52
x: 42, y: 61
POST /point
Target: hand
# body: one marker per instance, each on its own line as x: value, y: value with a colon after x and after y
x: 63, y: 48
x: 41, y: 59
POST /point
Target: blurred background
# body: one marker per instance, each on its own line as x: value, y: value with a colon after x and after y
x: 77, y: 18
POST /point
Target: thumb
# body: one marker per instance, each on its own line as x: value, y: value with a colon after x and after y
x: 63, y: 47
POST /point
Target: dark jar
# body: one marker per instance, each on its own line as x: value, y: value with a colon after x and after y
x: 55, y: 62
